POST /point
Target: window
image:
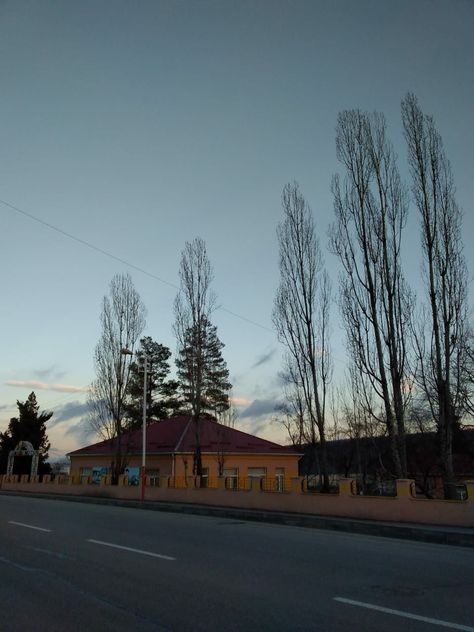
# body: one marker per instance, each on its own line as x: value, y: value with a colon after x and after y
x: 257, y: 472
x: 280, y: 479
x: 154, y: 477
x: 85, y: 472
x: 231, y: 476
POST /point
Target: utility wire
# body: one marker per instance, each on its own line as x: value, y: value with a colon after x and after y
x: 83, y: 242
x: 86, y: 243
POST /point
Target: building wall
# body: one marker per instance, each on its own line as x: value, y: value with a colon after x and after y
x: 241, y: 463
x: 80, y: 465
x: 286, y: 465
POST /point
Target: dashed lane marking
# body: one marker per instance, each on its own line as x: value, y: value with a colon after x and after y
x: 28, y: 526
x: 132, y: 550
x: 406, y: 615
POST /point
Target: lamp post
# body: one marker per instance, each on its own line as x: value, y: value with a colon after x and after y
x: 143, y: 467
x: 143, y: 472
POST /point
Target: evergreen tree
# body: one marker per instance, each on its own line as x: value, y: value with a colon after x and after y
x: 200, y: 358
x: 162, y: 393
x: 30, y: 425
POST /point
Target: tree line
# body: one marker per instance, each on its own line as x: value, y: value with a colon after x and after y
x: 409, y: 357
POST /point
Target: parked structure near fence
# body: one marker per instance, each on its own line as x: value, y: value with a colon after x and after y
x: 266, y: 494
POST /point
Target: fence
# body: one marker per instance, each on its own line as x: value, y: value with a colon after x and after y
x: 273, y: 494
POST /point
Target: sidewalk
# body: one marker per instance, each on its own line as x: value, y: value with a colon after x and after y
x: 407, y: 531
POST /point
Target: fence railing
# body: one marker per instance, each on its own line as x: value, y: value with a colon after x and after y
x: 271, y: 485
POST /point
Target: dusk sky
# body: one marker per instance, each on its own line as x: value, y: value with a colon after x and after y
x: 135, y: 126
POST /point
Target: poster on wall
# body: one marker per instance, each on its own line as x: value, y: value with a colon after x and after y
x: 133, y: 474
x: 98, y: 473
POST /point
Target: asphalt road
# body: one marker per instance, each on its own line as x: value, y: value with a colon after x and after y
x: 74, y: 566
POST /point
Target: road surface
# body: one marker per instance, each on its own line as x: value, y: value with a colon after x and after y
x: 77, y: 566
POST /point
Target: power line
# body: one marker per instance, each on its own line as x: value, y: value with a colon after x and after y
x: 244, y: 318
x: 83, y: 242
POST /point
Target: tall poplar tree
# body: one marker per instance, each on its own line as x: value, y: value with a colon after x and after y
x: 370, y: 206
x: 198, y: 363
x: 442, y: 346
x: 122, y: 320
x: 301, y: 318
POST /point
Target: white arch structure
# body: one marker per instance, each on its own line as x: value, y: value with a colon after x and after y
x: 24, y: 448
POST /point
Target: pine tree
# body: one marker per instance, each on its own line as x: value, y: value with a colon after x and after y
x: 30, y: 426
x: 200, y: 359
x: 162, y: 393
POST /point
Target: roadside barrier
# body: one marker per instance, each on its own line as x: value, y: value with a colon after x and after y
x: 269, y: 493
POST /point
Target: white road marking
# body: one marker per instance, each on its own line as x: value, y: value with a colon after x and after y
x: 128, y: 548
x: 406, y: 615
x: 28, y: 526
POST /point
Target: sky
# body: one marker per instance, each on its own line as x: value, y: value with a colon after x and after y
x: 137, y: 126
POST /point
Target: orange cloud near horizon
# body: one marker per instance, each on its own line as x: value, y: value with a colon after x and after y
x: 241, y: 401
x: 45, y: 386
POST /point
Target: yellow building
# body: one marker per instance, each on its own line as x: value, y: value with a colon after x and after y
x: 170, y: 448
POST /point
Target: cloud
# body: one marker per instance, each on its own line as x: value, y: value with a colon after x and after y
x: 260, y: 407
x: 68, y: 411
x: 49, y: 372
x: 264, y: 358
x: 82, y: 432
x: 240, y: 401
x: 37, y: 384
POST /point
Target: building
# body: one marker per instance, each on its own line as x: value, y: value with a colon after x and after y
x: 170, y: 446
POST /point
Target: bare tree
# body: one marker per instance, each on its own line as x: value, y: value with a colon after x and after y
x: 193, y: 306
x: 370, y: 208
x: 301, y: 315
x: 357, y: 401
x: 291, y: 413
x: 442, y: 346
x: 122, y: 321
x: 468, y: 371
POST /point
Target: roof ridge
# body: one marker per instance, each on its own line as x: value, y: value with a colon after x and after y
x: 248, y: 434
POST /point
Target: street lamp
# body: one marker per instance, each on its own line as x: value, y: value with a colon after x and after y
x: 143, y: 468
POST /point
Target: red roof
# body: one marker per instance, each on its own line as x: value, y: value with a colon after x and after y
x: 177, y: 435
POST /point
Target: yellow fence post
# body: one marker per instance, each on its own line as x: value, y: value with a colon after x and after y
x: 255, y: 483
x: 296, y: 484
x: 470, y: 490
x: 406, y: 488
x: 347, y: 487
